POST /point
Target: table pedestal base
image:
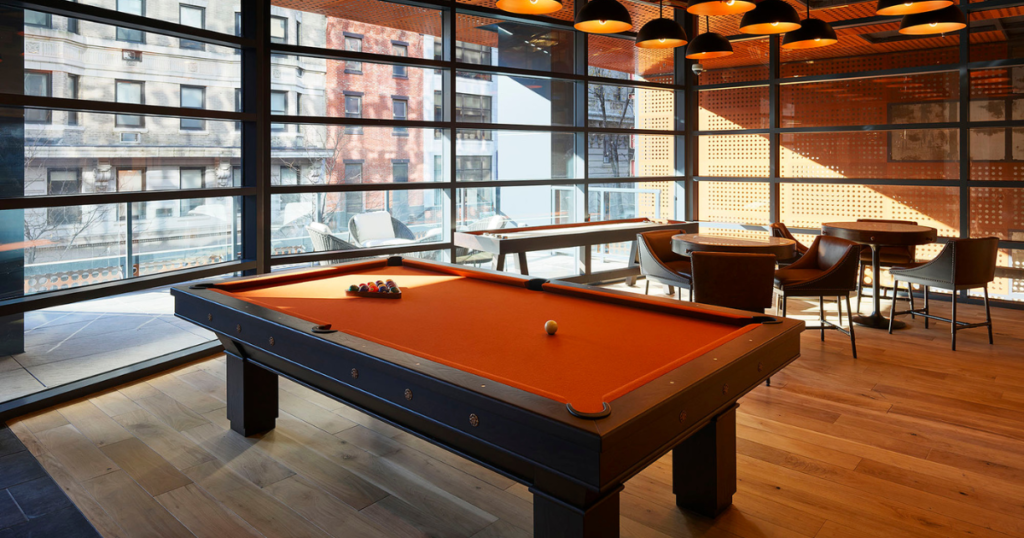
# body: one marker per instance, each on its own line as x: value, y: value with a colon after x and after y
x: 877, y: 321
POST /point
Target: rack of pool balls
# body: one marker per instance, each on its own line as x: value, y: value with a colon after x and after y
x: 381, y: 289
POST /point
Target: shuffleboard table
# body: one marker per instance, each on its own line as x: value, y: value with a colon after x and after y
x: 463, y: 361
x: 519, y: 241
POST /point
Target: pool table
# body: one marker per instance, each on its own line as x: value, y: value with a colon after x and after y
x: 462, y: 360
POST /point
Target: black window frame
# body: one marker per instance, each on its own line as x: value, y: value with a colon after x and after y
x: 189, y: 204
x: 73, y: 88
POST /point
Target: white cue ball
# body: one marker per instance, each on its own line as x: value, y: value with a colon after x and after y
x: 551, y: 326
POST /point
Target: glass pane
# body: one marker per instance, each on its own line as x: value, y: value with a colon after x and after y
x: 733, y: 201
x: 320, y: 154
x: 171, y: 235
x: 997, y: 212
x: 192, y: 16
x: 749, y: 61
x: 523, y: 100
x: 525, y: 155
x: 733, y: 109
x: 997, y: 154
x: 104, y: 161
x: 931, y: 98
x: 995, y: 94
x: 416, y: 217
x: 614, y: 57
x: 990, y: 37
x: 484, y: 41
x: 733, y: 155
x: 870, y: 47
x: 613, y: 155
x: 192, y: 97
x: 808, y: 205
x: 375, y: 23
x: 905, y: 154
x: 375, y: 85
x: 523, y: 206
x: 220, y: 15
x: 1009, y: 282
x: 648, y: 199
x: 622, y: 107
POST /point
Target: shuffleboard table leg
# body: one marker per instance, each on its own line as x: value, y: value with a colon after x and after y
x: 704, y: 467
x: 252, y: 396
x: 554, y: 518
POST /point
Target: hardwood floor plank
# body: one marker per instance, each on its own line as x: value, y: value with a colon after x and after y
x: 255, y: 506
x: 94, y: 423
x: 202, y: 381
x: 335, y: 517
x: 173, y: 413
x: 203, y: 515
x: 75, y: 452
x: 180, y: 451
x: 313, y: 414
x: 43, y: 420
x: 92, y: 510
x: 145, y: 466
x: 238, y: 454
x: 135, y: 511
x: 186, y: 394
x: 113, y: 403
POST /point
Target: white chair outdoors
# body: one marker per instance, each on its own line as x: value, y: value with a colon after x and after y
x: 325, y: 241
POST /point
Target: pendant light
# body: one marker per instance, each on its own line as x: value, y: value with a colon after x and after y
x: 708, y: 45
x: 941, y: 21
x: 909, y: 7
x: 770, y: 17
x: 603, y: 17
x: 661, y: 33
x: 812, y: 33
x: 719, y: 7
x: 530, y: 7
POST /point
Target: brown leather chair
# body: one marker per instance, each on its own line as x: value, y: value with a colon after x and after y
x: 963, y: 264
x: 828, y: 269
x: 660, y: 264
x: 888, y: 257
x: 742, y: 281
x: 780, y: 230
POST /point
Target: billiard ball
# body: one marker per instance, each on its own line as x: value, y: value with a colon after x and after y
x: 396, y: 290
x: 353, y: 287
x: 551, y: 326
x: 364, y: 288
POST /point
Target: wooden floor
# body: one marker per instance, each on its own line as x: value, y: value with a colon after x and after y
x: 910, y: 440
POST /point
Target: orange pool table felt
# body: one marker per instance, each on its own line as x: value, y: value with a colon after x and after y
x: 494, y: 327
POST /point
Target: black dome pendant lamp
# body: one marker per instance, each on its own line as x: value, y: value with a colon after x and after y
x: 603, y: 17
x: 708, y: 45
x: 661, y: 33
x: 812, y: 33
x: 941, y: 21
x: 770, y: 17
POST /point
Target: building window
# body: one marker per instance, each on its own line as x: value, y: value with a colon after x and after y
x: 288, y: 176
x: 130, y: 93
x: 191, y: 179
x: 73, y: 23
x: 473, y: 109
x: 353, y: 44
x: 63, y: 182
x: 238, y: 25
x: 37, y: 19
x: 353, y: 109
x: 298, y: 33
x: 130, y: 181
x: 278, y: 106
x: 193, y: 97
x: 400, y: 106
x: 473, y: 168
x: 133, y: 7
x: 37, y: 84
x: 279, y: 30
x: 438, y: 167
x: 400, y: 49
x: 468, y: 53
x: 353, y: 172
x: 72, y: 94
x: 195, y: 17
x: 400, y: 171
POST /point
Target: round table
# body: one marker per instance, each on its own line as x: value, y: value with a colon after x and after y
x: 876, y: 235
x: 782, y: 248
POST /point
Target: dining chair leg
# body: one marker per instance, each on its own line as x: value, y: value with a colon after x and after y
x: 892, y: 306
x: 821, y: 316
x: 647, y: 289
x: 783, y: 305
x: 691, y: 293
x: 849, y: 319
x: 910, y: 294
x: 988, y: 316
x: 860, y: 283
x: 926, y: 307
x: 952, y: 325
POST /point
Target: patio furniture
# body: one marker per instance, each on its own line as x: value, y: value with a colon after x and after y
x: 325, y: 241
x: 659, y: 263
x: 962, y: 264
x: 465, y: 255
x: 828, y: 269
x: 379, y: 228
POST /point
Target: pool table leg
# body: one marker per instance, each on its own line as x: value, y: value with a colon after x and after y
x: 555, y: 518
x: 704, y: 467
x: 252, y: 396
